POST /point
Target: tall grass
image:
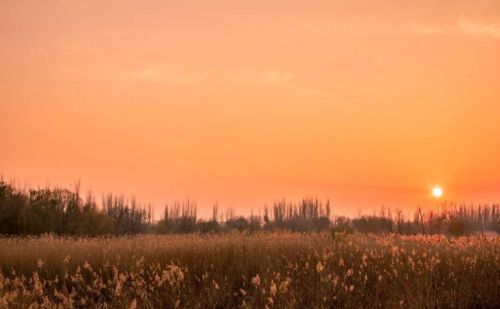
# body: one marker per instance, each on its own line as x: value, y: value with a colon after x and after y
x: 274, y: 270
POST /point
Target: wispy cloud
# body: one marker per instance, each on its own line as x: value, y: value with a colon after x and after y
x: 432, y: 30
x: 275, y: 78
x: 161, y: 75
x: 461, y: 27
x: 479, y: 29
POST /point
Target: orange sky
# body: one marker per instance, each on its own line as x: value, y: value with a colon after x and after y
x: 244, y: 102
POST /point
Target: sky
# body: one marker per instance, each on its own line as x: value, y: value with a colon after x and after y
x: 366, y: 103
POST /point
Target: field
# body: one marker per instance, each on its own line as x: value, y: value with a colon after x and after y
x: 273, y: 270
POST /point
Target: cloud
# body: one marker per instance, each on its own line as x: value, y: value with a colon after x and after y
x: 474, y: 28
x: 185, y: 76
x: 461, y: 27
x: 161, y: 75
x: 432, y: 30
x: 275, y: 78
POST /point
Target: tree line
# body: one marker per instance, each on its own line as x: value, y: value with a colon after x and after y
x: 66, y: 212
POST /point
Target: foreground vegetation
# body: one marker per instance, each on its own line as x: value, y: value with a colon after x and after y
x: 273, y: 270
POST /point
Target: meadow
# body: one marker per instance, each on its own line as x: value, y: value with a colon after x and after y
x: 243, y: 270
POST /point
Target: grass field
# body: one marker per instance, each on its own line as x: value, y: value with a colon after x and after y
x: 274, y: 270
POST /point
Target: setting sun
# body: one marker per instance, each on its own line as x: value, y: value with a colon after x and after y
x: 437, y: 192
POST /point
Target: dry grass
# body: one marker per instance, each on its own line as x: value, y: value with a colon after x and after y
x: 277, y: 270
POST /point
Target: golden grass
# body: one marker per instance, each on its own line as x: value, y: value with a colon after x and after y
x: 277, y: 270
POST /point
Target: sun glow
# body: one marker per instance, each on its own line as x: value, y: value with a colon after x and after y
x: 437, y: 192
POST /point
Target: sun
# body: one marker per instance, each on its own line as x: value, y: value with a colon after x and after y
x: 437, y: 192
